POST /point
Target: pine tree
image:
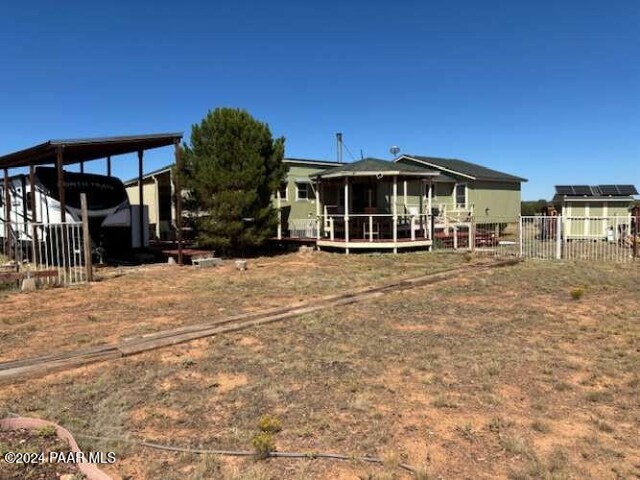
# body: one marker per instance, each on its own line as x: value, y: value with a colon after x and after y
x: 232, y: 168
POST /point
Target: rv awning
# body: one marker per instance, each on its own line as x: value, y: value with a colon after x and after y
x: 85, y: 149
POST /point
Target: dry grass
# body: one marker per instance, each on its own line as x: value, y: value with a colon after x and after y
x: 492, y: 376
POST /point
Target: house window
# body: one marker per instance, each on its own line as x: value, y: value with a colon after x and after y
x: 461, y: 195
x: 304, y: 191
x: 284, y: 191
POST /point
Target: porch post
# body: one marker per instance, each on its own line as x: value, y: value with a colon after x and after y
x: 141, y: 199
x: 279, y: 207
x: 395, y: 214
x: 7, y: 215
x: 346, y: 214
x: 82, y: 167
x: 318, y: 208
x: 404, y: 192
x: 109, y: 166
x: 429, y: 206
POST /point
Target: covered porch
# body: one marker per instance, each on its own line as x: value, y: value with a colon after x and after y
x: 374, y: 204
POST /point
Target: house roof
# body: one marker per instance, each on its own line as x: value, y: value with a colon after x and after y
x: 309, y: 161
x: 157, y: 171
x: 470, y: 170
x: 78, y: 150
x: 376, y: 167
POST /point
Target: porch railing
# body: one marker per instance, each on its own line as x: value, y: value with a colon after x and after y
x: 376, y: 227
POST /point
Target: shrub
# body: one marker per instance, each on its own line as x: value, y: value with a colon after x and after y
x: 263, y: 443
x: 577, y: 293
x: 269, y: 424
x: 48, y: 431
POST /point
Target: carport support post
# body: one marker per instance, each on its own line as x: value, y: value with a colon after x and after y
x: 178, y: 188
x: 7, y: 215
x: 86, y: 237
x: 34, y: 213
x: 395, y: 214
x: 141, y: 198
x: 109, y: 166
x: 63, y: 204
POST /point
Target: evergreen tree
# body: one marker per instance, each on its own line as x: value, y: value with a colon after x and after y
x: 232, y: 168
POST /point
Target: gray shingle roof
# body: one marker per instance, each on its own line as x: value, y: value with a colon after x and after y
x: 468, y: 169
x: 375, y: 166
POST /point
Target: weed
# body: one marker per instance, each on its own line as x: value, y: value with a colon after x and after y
x: 444, y: 401
x: 516, y: 445
x: 540, y: 426
x: 499, y: 424
x: 596, y: 396
x: 467, y: 431
x: 576, y: 293
x: 48, y: 431
x: 269, y: 424
x: 188, y: 362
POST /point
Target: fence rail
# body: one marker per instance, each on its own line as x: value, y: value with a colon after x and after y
x: 614, y: 239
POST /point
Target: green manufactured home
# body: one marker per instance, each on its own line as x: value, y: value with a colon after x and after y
x: 465, y: 188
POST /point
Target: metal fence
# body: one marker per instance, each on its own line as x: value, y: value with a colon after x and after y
x: 612, y: 239
x: 51, y: 253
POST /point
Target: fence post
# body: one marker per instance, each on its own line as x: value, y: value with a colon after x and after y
x: 558, y: 237
x: 472, y: 234
x: 86, y: 237
x: 520, y: 239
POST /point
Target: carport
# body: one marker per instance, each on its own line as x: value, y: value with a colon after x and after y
x: 79, y: 151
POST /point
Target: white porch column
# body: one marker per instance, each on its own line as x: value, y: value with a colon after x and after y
x: 279, y: 206
x: 346, y: 214
x: 404, y: 192
x: 429, y: 206
x: 395, y: 214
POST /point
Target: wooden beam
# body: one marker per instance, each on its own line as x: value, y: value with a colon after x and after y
x: 178, y: 190
x: 141, y: 197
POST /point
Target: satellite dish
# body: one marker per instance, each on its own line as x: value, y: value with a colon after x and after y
x: 394, y: 150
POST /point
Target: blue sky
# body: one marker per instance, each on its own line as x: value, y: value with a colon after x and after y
x: 548, y: 90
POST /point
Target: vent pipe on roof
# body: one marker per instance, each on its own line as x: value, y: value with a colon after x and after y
x: 339, y: 142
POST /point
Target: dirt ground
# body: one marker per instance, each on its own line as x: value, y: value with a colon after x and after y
x: 491, y: 375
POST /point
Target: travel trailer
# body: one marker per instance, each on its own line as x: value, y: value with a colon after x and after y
x: 112, y: 224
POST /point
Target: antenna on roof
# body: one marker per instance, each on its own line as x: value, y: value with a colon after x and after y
x: 394, y: 151
x: 339, y: 141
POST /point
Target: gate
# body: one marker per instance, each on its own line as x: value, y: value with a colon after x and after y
x: 52, y: 252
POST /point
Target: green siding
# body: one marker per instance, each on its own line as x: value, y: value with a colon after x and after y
x: 494, y: 201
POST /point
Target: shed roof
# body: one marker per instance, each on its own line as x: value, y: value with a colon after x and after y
x: 461, y: 167
x: 78, y: 150
x: 375, y: 167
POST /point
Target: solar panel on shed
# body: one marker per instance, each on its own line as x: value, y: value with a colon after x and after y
x: 627, y: 189
x: 564, y: 189
x: 609, y: 189
x: 582, y: 190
